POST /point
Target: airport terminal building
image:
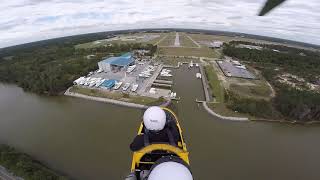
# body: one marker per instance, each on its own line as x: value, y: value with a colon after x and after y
x: 116, y: 63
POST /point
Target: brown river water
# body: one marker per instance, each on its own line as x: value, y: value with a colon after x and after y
x: 90, y: 140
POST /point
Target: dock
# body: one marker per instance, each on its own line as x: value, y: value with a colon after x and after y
x: 162, y: 85
x: 163, y: 81
x: 205, y: 84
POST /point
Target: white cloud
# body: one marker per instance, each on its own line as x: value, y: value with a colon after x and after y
x: 30, y: 20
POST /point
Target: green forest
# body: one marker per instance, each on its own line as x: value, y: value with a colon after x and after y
x: 289, y: 103
x: 24, y: 166
x: 51, y: 66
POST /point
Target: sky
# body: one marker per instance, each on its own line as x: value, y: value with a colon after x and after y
x: 23, y: 21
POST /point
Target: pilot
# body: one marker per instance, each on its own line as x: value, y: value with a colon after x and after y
x: 158, y: 128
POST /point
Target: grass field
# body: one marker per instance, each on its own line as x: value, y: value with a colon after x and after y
x: 181, y: 51
x: 104, y: 42
x: 218, y: 92
x: 205, y: 37
x: 215, y: 84
x: 185, y: 41
x: 117, y: 96
x: 168, y: 40
x: 260, y: 90
x: 222, y: 109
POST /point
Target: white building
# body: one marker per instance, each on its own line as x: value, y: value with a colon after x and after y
x: 216, y: 44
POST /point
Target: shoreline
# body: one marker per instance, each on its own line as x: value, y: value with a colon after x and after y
x: 206, y: 90
x: 111, y: 101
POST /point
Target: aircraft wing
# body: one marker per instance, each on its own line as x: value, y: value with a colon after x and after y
x: 270, y: 4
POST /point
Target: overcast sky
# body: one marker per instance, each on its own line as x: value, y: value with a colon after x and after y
x: 24, y: 21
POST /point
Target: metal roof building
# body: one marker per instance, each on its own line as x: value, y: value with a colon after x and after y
x: 116, y: 62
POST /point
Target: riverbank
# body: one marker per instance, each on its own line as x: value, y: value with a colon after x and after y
x: 24, y: 166
x: 114, y: 99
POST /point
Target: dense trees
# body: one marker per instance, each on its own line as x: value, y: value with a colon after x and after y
x: 49, y: 68
x: 297, y: 61
x: 24, y: 166
x: 290, y: 103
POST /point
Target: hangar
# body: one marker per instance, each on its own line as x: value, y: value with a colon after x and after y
x: 116, y: 63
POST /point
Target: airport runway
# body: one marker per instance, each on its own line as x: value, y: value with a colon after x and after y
x: 177, y: 41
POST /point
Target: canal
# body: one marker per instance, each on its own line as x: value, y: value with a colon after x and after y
x: 89, y: 140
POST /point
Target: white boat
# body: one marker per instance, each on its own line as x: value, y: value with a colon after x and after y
x: 166, y: 70
x: 144, y: 76
x: 166, y: 75
x: 191, y: 64
x: 197, y: 65
x: 131, y: 68
x: 152, y: 91
x: 198, y: 75
x: 86, y: 83
x: 146, y: 72
x: 134, y: 87
x: 92, y: 83
x: 150, y: 68
x: 126, y: 86
x: 100, y: 82
x: 117, y: 85
x: 173, y: 95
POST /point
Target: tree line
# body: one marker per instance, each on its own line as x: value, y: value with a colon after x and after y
x: 290, y: 103
x: 24, y: 166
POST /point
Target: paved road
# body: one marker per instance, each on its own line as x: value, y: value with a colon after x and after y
x: 177, y: 41
x: 5, y: 175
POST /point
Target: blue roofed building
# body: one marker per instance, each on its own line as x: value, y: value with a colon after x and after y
x: 116, y: 63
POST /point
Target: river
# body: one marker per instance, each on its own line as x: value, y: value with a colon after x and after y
x: 89, y: 140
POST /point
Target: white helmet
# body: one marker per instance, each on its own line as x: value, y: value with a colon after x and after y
x: 170, y: 171
x: 154, y: 118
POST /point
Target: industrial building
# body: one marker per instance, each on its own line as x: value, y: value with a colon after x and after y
x: 116, y: 63
x: 216, y: 44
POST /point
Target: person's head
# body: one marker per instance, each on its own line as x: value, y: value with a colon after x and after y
x: 154, y: 118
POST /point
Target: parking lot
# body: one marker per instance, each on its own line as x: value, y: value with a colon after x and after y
x: 132, y: 78
x: 230, y: 70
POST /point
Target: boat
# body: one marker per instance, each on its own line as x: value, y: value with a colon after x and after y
x: 153, y: 91
x: 126, y: 86
x: 134, y: 87
x: 191, y: 64
x: 117, y: 85
x: 131, y: 68
x: 144, y: 75
x: 92, y: 83
x: 198, y: 75
x: 151, y: 160
x: 100, y: 82
x: 166, y: 75
x: 197, y: 65
x: 166, y: 70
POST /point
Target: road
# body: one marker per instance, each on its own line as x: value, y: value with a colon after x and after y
x: 5, y: 175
